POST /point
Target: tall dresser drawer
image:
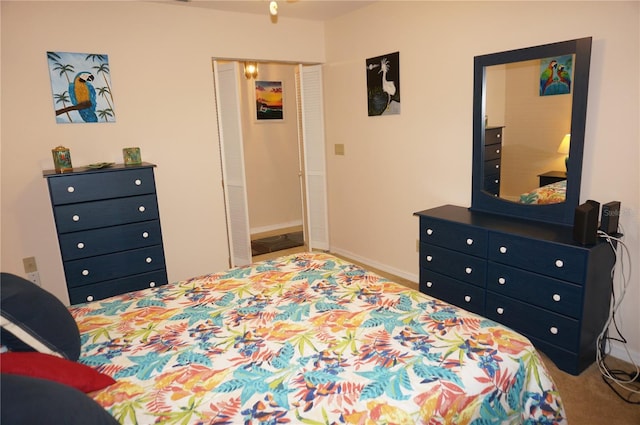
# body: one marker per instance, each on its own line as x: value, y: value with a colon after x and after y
x: 110, y: 288
x: 445, y: 288
x: 463, y: 267
x: 560, y: 261
x: 90, y: 215
x: 466, y: 239
x: 89, y: 243
x: 493, y: 136
x: 556, y: 295
x: 113, y: 266
x: 551, y: 327
x: 492, y: 152
x: 101, y: 185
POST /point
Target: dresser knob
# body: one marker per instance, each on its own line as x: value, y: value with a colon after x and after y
x: 145, y: 235
x: 500, y: 310
x: 556, y: 297
x: 467, y: 298
x: 469, y: 241
x: 148, y: 260
x: 429, y: 232
x: 468, y: 270
x: 85, y: 272
x: 141, y: 208
x: 496, y: 181
x: 497, y: 150
x: 502, y: 280
x: 75, y: 217
x: 80, y: 245
x: 138, y: 182
x: 429, y: 258
x: 152, y: 284
x: 503, y: 250
x: 553, y: 330
x: 71, y: 189
x: 559, y: 263
x: 90, y: 298
x: 497, y: 165
x: 498, y: 135
x: 429, y: 284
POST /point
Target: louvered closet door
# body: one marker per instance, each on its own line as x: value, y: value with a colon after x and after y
x: 310, y: 93
x: 232, y: 153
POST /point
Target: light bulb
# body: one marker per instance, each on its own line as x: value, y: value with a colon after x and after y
x: 273, y: 8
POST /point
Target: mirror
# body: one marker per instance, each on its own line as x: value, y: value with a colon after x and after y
x: 526, y: 102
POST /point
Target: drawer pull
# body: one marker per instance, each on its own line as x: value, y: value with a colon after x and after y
x: 429, y: 284
x: 75, y: 217
x: 498, y: 135
x: 500, y: 310
x: 141, y: 208
x: 469, y: 241
x: 496, y: 181
x: 553, y: 330
x: 145, y: 235
x: 559, y: 263
x: 138, y: 182
x: 556, y: 297
x: 503, y: 250
x: 71, y: 189
x: 429, y: 232
x: 429, y: 258
x: 90, y: 298
x: 80, y: 245
x: 148, y: 260
x: 468, y: 270
x: 152, y: 284
x: 497, y: 150
x: 502, y: 280
x: 497, y: 166
x: 85, y: 272
x: 467, y: 298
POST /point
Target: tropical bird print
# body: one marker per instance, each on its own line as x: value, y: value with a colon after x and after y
x: 564, y: 76
x: 547, y: 76
x: 81, y: 90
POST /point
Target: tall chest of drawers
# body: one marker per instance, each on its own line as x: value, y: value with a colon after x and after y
x: 527, y: 275
x: 108, y: 229
x: 493, y: 159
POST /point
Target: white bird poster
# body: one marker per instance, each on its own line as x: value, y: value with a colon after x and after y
x: 81, y: 87
x: 383, y: 84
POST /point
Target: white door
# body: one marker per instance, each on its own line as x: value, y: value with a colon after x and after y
x: 232, y: 158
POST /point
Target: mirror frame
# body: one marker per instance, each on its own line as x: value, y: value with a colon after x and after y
x: 560, y: 213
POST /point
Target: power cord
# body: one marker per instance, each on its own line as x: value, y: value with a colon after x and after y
x: 618, y: 380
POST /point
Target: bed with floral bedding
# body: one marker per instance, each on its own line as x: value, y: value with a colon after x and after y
x: 308, y: 339
x: 549, y: 194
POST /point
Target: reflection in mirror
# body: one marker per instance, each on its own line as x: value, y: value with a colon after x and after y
x: 532, y: 124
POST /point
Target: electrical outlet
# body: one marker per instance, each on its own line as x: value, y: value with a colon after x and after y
x: 30, y: 265
x: 34, y: 277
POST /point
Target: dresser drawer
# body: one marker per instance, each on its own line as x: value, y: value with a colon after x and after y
x: 113, y: 266
x: 550, y: 327
x: 98, y: 291
x: 492, y: 136
x: 563, y: 262
x: 492, y: 152
x: 101, y: 185
x: 556, y: 295
x: 91, y: 215
x: 466, y: 268
x: 466, y: 239
x: 89, y: 243
x: 450, y: 290
x: 492, y: 166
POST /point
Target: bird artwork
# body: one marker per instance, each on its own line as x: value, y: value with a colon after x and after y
x: 547, y: 76
x: 81, y: 93
x: 383, y: 84
x: 387, y: 86
x: 564, y: 77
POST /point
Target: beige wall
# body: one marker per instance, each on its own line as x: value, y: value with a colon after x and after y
x: 396, y: 165
x: 160, y: 57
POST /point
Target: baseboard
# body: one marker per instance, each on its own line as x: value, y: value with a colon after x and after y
x: 624, y: 353
x: 272, y: 227
x: 384, y: 267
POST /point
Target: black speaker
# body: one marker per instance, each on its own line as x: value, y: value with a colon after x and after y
x: 585, y: 223
x: 610, y: 217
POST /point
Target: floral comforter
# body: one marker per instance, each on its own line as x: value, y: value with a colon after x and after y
x: 308, y: 339
x: 550, y: 194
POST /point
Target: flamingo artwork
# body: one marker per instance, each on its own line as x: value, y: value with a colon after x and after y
x: 383, y: 84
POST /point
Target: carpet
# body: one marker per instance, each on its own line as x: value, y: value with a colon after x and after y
x: 276, y: 243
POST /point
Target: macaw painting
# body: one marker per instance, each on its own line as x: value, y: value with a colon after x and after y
x: 383, y: 84
x: 269, y: 101
x: 81, y: 87
x: 555, y: 75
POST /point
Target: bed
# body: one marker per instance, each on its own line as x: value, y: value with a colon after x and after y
x: 549, y: 194
x: 307, y: 338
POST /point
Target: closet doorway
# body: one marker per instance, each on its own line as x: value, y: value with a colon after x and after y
x: 256, y: 198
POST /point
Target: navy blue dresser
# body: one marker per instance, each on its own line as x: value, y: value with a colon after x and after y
x: 527, y: 275
x: 108, y: 229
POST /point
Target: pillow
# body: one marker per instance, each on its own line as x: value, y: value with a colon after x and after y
x: 27, y: 400
x: 32, y: 319
x: 45, y: 366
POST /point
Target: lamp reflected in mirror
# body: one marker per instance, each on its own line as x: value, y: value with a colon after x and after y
x: 250, y: 70
x: 564, y: 149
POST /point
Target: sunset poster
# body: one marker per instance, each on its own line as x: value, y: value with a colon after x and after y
x: 269, y: 101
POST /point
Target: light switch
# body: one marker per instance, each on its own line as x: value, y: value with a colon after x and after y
x: 338, y: 149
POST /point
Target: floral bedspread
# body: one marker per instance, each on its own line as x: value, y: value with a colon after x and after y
x: 308, y: 339
x: 550, y: 194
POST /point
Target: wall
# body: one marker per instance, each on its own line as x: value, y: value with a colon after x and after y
x: 398, y: 164
x: 161, y: 73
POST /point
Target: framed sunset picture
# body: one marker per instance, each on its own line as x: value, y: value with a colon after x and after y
x: 269, y: 101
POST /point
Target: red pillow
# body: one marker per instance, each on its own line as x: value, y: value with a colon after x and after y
x: 46, y: 366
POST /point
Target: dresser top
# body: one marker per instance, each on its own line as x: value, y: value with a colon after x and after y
x: 88, y: 170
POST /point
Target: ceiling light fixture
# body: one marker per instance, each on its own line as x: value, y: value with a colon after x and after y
x: 273, y: 8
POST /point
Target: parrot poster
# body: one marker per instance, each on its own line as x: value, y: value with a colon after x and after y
x: 81, y: 87
x: 555, y: 75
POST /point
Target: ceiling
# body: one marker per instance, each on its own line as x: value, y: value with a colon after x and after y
x: 315, y: 10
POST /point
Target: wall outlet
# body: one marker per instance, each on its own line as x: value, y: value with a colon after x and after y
x: 30, y: 265
x: 34, y: 277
